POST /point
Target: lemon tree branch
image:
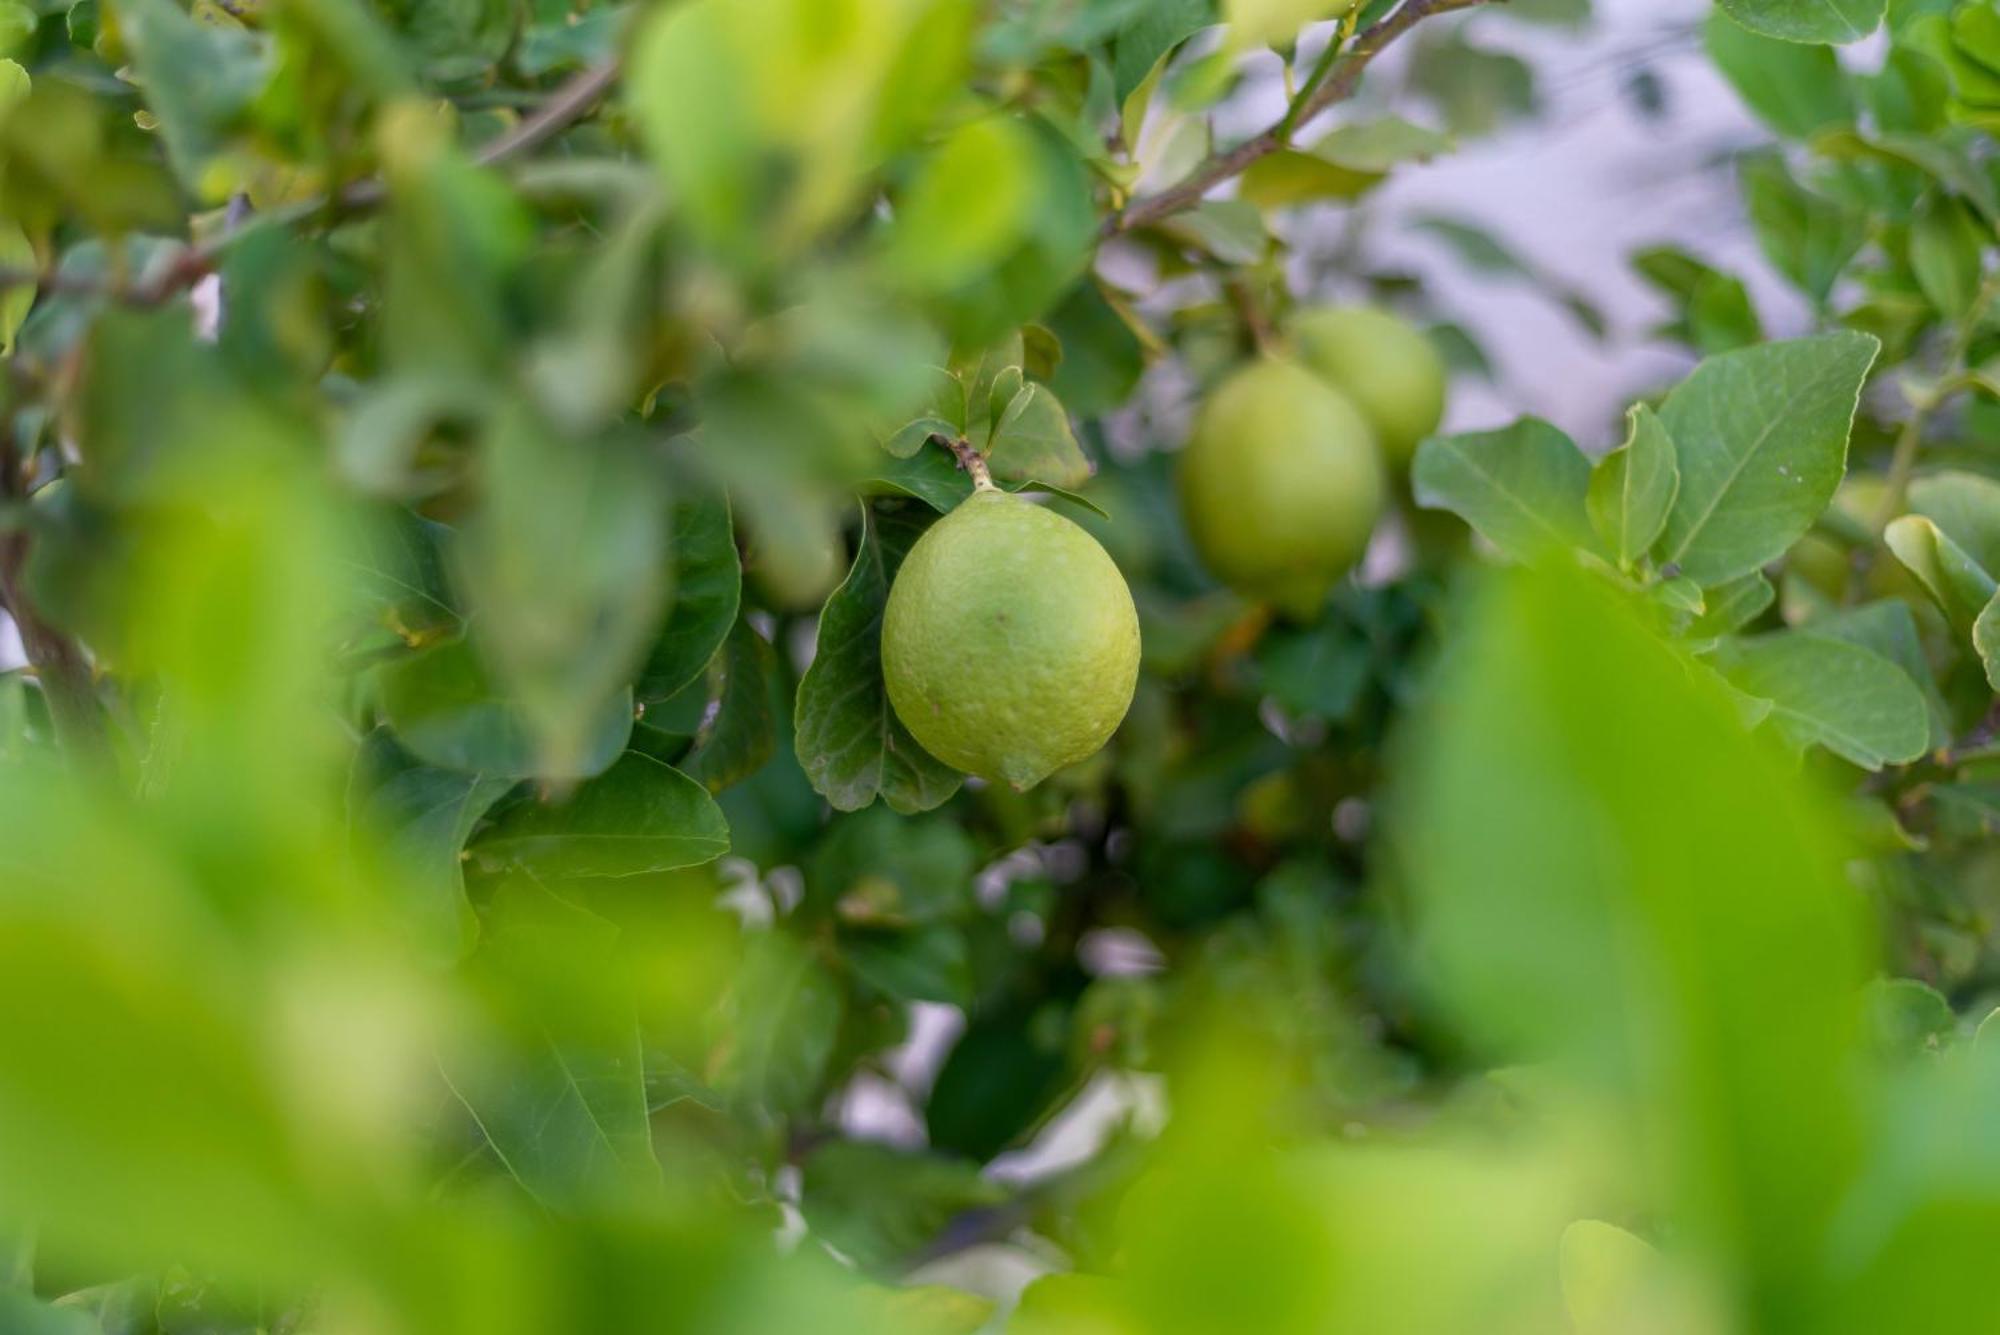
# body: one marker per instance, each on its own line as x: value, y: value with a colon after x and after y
x: 1339, y: 84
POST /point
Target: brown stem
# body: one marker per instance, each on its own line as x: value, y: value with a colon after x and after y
x: 1337, y: 88
x: 971, y: 460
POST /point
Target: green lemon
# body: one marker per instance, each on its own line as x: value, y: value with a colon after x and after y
x: 1386, y: 366
x: 1010, y: 644
x: 1281, y: 484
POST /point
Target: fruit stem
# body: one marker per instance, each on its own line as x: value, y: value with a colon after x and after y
x: 971, y: 460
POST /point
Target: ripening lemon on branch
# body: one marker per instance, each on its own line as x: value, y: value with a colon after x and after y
x: 1281, y: 485
x: 1384, y: 365
x: 1010, y: 644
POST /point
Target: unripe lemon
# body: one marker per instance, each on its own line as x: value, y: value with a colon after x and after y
x: 1010, y: 644
x: 1387, y: 367
x: 1281, y: 484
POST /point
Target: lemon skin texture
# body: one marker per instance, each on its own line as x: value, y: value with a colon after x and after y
x: 1390, y: 371
x: 1281, y: 485
x: 1010, y: 644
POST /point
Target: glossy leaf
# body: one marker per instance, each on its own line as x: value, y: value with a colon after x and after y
x: 446, y: 708
x: 637, y: 817
x: 739, y: 732
x: 1837, y: 694
x: 853, y: 747
x: 1033, y: 439
x: 707, y: 590
x: 1633, y: 488
x: 1960, y: 584
x: 780, y: 1025
x: 424, y: 815
x: 1523, y: 489
x: 1797, y: 90
x: 1761, y: 436
x: 881, y: 1205
x: 1821, y: 21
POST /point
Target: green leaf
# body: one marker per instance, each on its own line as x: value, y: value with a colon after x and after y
x: 780, y: 1023
x: 397, y: 567
x: 881, y: 1205
x: 1907, y: 1018
x: 740, y: 731
x: 1835, y: 693
x: 423, y: 815
x: 561, y: 566
x: 1379, y: 146
x: 1817, y: 21
x: 1633, y: 488
x: 1254, y: 23
x: 853, y: 747
x: 1960, y: 584
x: 1033, y: 439
x: 1287, y: 177
x: 1732, y: 606
x: 1230, y: 230
x: 1344, y: 165
x: 1154, y: 33
x: 967, y: 206
x: 1797, y: 90
x: 209, y: 1170
x: 197, y: 79
x: 573, y: 41
x: 1986, y: 639
x: 639, y: 816
x: 1761, y: 435
x: 876, y: 869
x: 1716, y: 314
x: 571, y: 1117
x: 1890, y: 629
x: 1317, y: 671
x: 930, y: 964
x: 22, y: 1314
x: 935, y: 478
x: 1476, y: 89
x: 564, y: 1104
x: 1522, y: 488
x: 445, y: 707
x: 1610, y: 874
x: 1947, y: 254
x: 1002, y: 1077
x: 455, y: 39
x: 1103, y: 356
x: 1808, y: 238
x: 707, y: 591
x: 1966, y: 507
x: 1938, y: 157
x: 16, y: 301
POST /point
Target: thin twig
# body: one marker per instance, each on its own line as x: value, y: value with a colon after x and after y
x: 1336, y: 88
x: 571, y: 100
